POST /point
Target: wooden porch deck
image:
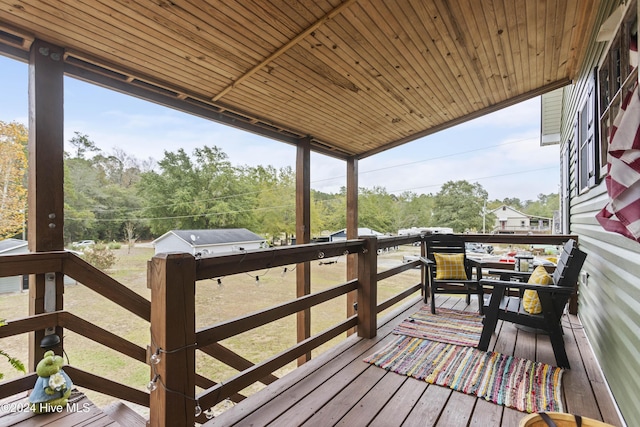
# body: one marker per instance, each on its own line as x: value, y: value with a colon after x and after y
x: 339, y: 389
x: 79, y: 412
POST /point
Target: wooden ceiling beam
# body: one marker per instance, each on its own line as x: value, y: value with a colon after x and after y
x: 284, y: 48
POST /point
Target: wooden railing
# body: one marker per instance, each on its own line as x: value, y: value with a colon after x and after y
x: 66, y: 263
x: 170, y: 280
x: 174, y: 338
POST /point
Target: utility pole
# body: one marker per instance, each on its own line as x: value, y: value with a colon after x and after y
x: 484, y: 216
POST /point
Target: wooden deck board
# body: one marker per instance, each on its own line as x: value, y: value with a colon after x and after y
x: 338, y: 388
x: 81, y: 412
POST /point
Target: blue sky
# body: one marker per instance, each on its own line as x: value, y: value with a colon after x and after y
x: 501, y: 151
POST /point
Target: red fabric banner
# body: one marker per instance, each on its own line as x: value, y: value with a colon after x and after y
x: 622, y: 212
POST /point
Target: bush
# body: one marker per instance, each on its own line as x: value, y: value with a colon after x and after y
x: 114, y: 245
x: 100, y: 256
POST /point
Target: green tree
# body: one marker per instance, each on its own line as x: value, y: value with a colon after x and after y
x: 83, y: 144
x: 276, y: 202
x: 376, y: 210
x: 544, y: 206
x: 202, y: 192
x: 459, y: 205
x: 13, y: 173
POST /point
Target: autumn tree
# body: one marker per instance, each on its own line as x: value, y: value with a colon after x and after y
x: 13, y: 173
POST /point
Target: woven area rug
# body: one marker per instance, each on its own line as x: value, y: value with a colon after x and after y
x: 447, y: 325
x: 505, y: 380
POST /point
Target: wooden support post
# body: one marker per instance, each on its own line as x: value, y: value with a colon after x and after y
x: 423, y: 271
x: 303, y: 235
x: 173, y: 337
x: 352, y: 231
x: 368, y: 289
x: 46, y: 181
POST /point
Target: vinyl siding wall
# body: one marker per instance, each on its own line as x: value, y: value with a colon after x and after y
x: 609, y: 299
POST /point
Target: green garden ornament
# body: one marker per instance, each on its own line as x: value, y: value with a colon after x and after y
x: 53, y: 386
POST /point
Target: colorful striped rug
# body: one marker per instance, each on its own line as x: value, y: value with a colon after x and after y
x: 505, y: 380
x: 447, y: 325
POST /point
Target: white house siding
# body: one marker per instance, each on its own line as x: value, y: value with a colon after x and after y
x: 609, y: 299
x: 13, y: 283
x: 10, y: 284
x: 173, y: 244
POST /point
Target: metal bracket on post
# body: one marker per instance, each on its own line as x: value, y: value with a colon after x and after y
x: 49, y: 298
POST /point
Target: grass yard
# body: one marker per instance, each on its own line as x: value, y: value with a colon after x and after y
x: 234, y: 296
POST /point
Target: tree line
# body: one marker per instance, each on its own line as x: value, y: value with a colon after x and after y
x: 116, y: 196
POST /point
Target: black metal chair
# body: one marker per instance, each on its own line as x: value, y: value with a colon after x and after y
x: 553, y: 299
x: 457, y: 280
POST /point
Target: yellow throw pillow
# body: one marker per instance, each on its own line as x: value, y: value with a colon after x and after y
x: 450, y: 267
x: 530, y: 300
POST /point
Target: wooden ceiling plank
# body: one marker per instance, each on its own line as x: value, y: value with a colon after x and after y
x: 70, y: 25
x: 339, y: 95
x: 509, y: 51
x: 441, y: 65
x: 485, y: 65
x: 285, y: 70
x: 410, y: 59
x: 250, y: 92
x: 434, y: 82
x: 353, y: 73
x: 532, y: 31
x: 383, y: 71
x: 501, y: 74
x: 541, y: 13
x: 486, y: 53
x: 357, y: 68
x: 474, y: 115
x: 458, y: 14
x: 429, y: 81
x: 369, y: 123
x: 549, y: 26
x: 564, y: 41
x: 249, y: 29
x: 177, y: 40
x: 192, y: 27
x: 518, y: 34
x: 285, y: 47
x: 450, y: 25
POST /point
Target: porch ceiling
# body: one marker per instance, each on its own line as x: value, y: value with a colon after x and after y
x: 358, y: 76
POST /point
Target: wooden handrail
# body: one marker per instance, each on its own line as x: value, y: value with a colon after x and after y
x: 246, y: 323
x: 96, y: 280
x: 102, y: 336
x: 107, y: 386
x: 259, y: 259
x: 30, y: 324
x: 398, y: 297
x: 398, y: 269
x: 230, y: 358
x: 205, y: 383
x: 32, y: 263
x: 219, y: 392
x: 17, y: 385
x: 520, y: 239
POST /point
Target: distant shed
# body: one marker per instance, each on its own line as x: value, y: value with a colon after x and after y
x: 208, y: 242
x: 12, y: 247
x: 362, y: 231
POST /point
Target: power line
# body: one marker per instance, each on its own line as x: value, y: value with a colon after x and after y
x: 289, y: 205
